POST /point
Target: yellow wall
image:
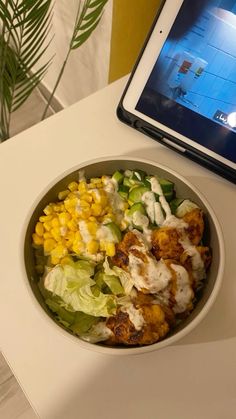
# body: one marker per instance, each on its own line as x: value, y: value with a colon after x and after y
x: 132, y: 20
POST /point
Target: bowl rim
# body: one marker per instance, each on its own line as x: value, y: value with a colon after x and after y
x: 127, y: 350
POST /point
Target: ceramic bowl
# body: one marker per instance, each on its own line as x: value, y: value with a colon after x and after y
x: 184, y: 188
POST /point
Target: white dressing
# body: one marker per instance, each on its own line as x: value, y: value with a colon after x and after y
x: 198, y: 267
x: 184, y: 293
x: 149, y: 200
x: 135, y: 315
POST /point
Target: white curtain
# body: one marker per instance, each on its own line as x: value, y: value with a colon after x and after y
x: 88, y: 66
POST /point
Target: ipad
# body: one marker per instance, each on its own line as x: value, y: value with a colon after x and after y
x: 182, y: 91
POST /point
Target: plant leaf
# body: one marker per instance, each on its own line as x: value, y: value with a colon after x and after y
x: 87, y: 21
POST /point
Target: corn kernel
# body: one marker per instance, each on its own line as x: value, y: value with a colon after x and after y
x: 45, y: 218
x: 77, y: 236
x: 82, y: 187
x: 49, y: 245
x: 57, y: 207
x: 92, y: 227
x: 70, y: 203
x: 48, y: 210
x: 67, y: 260
x: 54, y: 260
x: 110, y: 249
x: 47, y: 226
x: 39, y: 229
x: 96, y: 209
x: 56, y: 233
x: 64, y: 217
x: 55, y: 222
x: 87, y: 197
x: 37, y: 239
x: 73, y: 186
x: 47, y: 235
x: 72, y: 225
x: 83, y: 204
x: 63, y: 194
x: 92, y: 247
x: 85, y: 214
x: 59, y: 251
x: 78, y: 247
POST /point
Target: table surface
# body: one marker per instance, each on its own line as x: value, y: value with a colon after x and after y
x: 195, y: 378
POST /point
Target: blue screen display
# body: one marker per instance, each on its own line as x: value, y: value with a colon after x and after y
x: 192, y: 87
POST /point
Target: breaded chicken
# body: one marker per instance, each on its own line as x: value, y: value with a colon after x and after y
x: 195, y: 229
x: 166, y: 243
x: 154, y: 328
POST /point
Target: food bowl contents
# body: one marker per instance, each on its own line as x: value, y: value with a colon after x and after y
x: 120, y: 258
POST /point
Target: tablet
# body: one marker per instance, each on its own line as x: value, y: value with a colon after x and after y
x: 182, y: 91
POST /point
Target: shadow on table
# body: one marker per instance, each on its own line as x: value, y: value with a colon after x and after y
x: 221, y: 320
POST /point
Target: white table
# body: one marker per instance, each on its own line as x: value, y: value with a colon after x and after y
x: 192, y: 380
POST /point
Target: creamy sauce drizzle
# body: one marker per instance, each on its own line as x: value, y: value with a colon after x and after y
x: 184, y: 292
x: 135, y: 315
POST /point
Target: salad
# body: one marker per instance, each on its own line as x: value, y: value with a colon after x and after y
x: 120, y: 258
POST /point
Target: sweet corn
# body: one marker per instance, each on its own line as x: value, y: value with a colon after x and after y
x: 45, y: 218
x: 47, y: 226
x: 56, y: 233
x: 64, y: 217
x: 39, y: 229
x: 55, y: 222
x: 47, y: 235
x: 73, y: 186
x: 85, y: 214
x: 49, y: 245
x: 110, y: 249
x: 72, y: 225
x: 92, y: 227
x: 37, y: 239
x: 48, y: 210
x: 96, y: 209
x: 63, y: 194
x: 92, y: 247
x: 54, y: 260
x: 78, y: 247
x: 67, y: 260
x: 87, y: 197
x: 82, y: 187
x: 59, y: 251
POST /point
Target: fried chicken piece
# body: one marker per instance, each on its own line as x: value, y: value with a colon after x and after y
x: 166, y: 243
x: 121, y: 258
x: 205, y: 254
x: 124, y: 333
x: 195, y: 222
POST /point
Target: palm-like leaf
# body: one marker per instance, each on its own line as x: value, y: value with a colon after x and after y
x: 87, y: 21
x: 23, y: 41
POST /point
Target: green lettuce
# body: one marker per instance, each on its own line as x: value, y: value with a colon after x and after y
x: 73, y: 285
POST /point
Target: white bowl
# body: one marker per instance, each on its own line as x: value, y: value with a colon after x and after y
x: 214, y: 238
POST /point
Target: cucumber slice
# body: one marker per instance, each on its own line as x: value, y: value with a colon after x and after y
x: 169, y: 196
x: 175, y: 203
x: 166, y: 185
x: 137, y: 192
x: 123, y: 191
x: 115, y: 231
x: 118, y: 176
x: 138, y: 206
x: 127, y: 182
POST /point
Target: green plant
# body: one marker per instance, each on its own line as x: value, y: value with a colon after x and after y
x: 25, y: 27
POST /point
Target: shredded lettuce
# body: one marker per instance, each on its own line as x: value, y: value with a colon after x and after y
x: 124, y: 277
x: 74, y: 286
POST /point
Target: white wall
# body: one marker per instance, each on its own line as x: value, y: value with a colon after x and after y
x: 88, y: 66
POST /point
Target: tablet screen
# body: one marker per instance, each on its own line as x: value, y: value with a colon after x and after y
x: 192, y: 86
